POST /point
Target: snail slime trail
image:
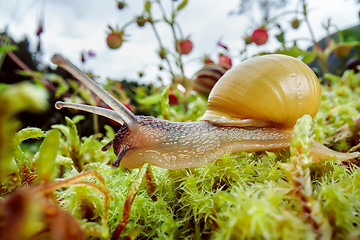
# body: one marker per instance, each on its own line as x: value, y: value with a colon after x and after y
x: 252, y: 107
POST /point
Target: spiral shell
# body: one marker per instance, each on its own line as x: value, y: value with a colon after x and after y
x: 206, y: 78
x: 271, y: 90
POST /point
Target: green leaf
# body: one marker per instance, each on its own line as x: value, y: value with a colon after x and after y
x: 45, y: 163
x: 150, y: 100
x: 280, y: 37
x: 28, y: 133
x: 295, y: 51
x: 87, y: 95
x: 110, y: 133
x: 14, y: 99
x: 3, y: 86
x: 8, y: 47
x: 147, y: 6
x: 78, y: 118
x: 74, y: 144
x: 165, y: 102
x: 63, y: 129
x: 22, y: 135
x: 63, y: 86
x: 73, y: 134
x: 182, y: 5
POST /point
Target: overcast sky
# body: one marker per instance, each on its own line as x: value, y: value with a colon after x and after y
x: 75, y: 26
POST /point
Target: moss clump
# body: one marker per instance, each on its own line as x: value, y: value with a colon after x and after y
x: 261, y: 195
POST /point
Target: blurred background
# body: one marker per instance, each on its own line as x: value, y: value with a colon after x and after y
x: 77, y: 27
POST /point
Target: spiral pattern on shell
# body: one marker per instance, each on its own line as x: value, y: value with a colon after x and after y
x: 264, y: 91
x: 206, y: 78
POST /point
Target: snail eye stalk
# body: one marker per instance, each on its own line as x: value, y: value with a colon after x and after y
x: 126, y: 115
x: 91, y: 109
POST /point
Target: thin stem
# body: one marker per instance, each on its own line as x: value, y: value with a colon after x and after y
x: 48, y: 188
x: 162, y: 9
x: 24, y: 67
x: 301, y: 39
x: 271, y: 20
x: 162, y: 47
x: 172, y: 26
x: 307, y: 21
x: 3, y: 41
x: 179, y: 29
x: 96, y: 123
x: 134, y: 189
x: 150, y: 184
x: 127, y: 24
x: 96, y: 110
x: 122, y: 111
x: 181, y: 65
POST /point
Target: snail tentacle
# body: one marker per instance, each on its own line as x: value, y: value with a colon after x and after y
x: 120, y: 155
x: 91, y: 109
x: 118, y: 107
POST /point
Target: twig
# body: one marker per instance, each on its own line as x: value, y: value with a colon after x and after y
x: 24, y: 67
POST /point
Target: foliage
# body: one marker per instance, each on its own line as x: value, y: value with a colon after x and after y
x: 14, y: 99
x: 257, y: 195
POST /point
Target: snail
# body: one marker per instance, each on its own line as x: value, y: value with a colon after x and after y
x: 205, y: 78
x: 253, y: 107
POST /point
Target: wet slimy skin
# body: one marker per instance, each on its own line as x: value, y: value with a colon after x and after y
x: 175, y: 145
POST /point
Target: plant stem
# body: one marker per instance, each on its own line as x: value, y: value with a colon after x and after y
x: 96, y: 123
x: 172, y: 23
x: 161, y: 47
x: 134, y: 189
x: 24, y: 67
x: 308, y: 22
x: 271, y: 20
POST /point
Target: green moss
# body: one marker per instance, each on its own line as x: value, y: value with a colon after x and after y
x: 14, y: 99
x: 260, y: 195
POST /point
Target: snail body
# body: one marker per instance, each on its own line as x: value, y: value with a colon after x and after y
x: 253, y: 107
x: 175, y: 145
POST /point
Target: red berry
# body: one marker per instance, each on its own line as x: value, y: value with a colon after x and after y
x: 225, y: 61
x: 112, y: 121
x: 173, y: 99
x: 114, y: 40
x: 128, y: 106
x: 184, y: 46
x: 259, y: 36
x: 207, y: 60
x: 83, y: 59
x: 40, y: 29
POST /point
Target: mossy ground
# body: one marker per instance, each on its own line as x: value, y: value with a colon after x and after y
x: 261, y: 195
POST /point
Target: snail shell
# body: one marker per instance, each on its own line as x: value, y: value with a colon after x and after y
x: 271, y: 90
x: 206, y: 78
